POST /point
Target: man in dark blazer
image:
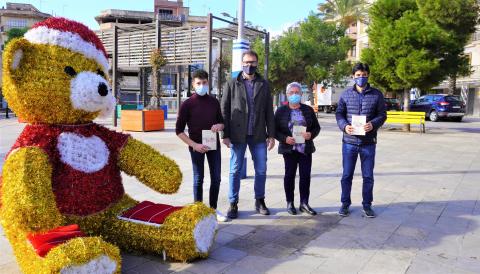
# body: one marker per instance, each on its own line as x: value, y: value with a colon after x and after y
x: 247, y: 109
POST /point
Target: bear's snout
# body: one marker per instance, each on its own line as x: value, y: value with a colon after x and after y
x: 102, y: 89
x: 91, y: 92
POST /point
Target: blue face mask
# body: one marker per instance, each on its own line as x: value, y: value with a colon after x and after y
x: 249, y: 70
x: 201, y: 90
x: 294, y: 99
x: 361, y: 81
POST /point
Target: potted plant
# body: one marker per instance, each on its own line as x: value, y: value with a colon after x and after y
x: 152, y: 117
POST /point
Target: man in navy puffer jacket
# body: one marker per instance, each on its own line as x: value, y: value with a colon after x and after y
x: 364, y: 100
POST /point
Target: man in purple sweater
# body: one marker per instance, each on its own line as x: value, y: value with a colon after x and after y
x: 202, y: 112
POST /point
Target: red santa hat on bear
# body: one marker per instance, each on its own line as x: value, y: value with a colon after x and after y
x: 69, y: 34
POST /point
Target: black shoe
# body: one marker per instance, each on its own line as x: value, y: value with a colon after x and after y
x: 344, y: 211
x: 307, y: 209
x: 233, y: 211
x: 369, y: 213
x: 260, y: 207
x: 291, y: 208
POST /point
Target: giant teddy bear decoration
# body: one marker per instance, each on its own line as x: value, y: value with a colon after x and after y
x: 63, y: 205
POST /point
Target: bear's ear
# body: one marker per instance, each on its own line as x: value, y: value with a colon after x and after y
x: 14, y: 55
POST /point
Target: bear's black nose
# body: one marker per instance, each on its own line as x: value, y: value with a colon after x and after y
x: 102, y: 89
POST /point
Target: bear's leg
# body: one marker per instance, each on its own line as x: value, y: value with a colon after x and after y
x: 186, y: 234
x: 85, y: 255
x: 189, y: 233
x: 78, y: 255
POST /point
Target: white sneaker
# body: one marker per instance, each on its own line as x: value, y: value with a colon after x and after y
x: 220, y: 217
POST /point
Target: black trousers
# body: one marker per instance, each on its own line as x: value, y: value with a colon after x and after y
x: 214, y: 164
x: 304, y: 162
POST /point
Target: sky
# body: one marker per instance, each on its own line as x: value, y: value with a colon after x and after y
x: 272, y: 15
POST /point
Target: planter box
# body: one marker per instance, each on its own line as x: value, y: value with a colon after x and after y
x: 142, y: 120
x: 125, y: 107
x: 164, y: 107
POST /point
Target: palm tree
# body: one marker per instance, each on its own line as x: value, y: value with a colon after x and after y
x: 345, y: 12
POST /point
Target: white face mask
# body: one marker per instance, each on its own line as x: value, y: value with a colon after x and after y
x: 201, y: 90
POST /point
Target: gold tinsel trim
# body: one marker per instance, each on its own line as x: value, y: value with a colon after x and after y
x: 28, y: 200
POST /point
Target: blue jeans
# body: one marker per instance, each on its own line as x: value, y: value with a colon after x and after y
x: 214, y: 164
x: 259, y: 156
x: 367, y: 159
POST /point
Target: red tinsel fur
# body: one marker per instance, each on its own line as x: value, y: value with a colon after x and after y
x: 76, y: 192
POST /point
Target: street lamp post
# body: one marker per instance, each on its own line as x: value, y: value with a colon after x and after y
x: 241, y: 18
x: 240, y: 45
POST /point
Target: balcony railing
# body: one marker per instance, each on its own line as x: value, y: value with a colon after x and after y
x: 171, y: 18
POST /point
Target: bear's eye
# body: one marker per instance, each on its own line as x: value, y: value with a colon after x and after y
x: 100, y: 72
x: 70, y: 71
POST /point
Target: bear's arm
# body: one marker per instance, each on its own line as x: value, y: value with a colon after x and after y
x: 150, y: 167
x: 28, y: 202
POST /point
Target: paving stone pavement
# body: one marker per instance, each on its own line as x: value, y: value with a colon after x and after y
x: 426, y: 196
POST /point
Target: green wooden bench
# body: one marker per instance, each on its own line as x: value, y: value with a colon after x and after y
x: 409, y: 117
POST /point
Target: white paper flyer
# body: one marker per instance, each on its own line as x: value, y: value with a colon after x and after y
x: 209, y: 139
x: 358, y: 123
x: 298, y: 134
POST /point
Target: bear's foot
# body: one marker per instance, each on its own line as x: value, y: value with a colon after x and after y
x: 78, y: 255
x: 100, y: 265
x: 189, y: 233
x: 84, y: 255
x: 204, y: 233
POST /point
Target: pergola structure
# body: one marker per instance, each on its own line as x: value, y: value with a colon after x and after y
x: 130, y: 48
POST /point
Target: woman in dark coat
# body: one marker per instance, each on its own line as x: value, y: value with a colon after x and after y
x: 296, y: 151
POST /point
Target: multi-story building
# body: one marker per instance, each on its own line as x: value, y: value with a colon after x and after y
x: 121, y: 18
x: 469, y: 87
x: 17, y: 15
x: 171, y: 13
x: 358, y: 33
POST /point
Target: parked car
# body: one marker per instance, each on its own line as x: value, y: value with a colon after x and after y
x: 437, y: 106
x: 392, y: 104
